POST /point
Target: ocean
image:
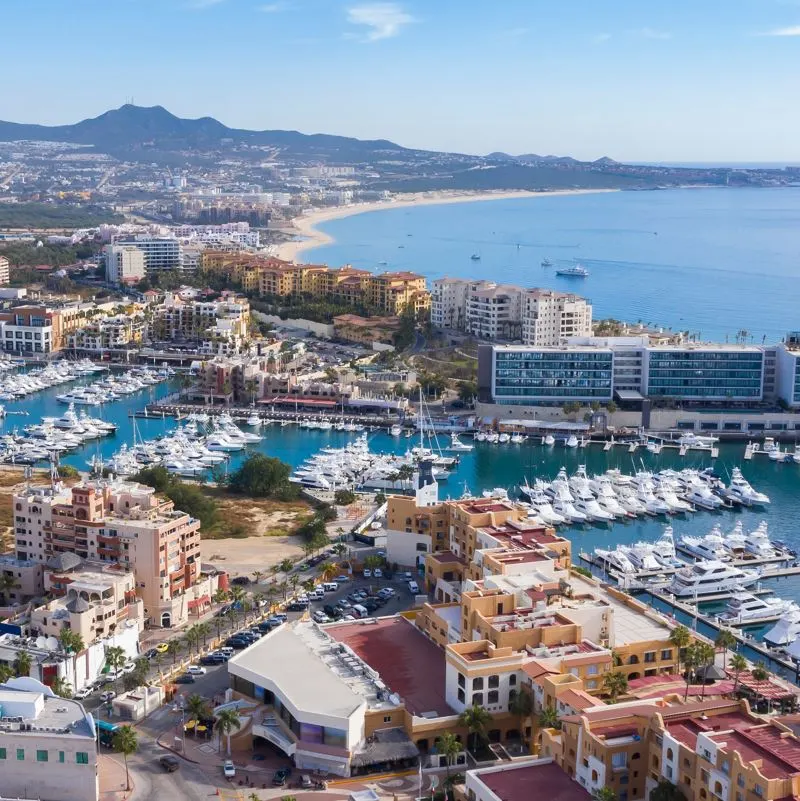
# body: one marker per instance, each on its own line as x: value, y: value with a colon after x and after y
x: 710, y: 261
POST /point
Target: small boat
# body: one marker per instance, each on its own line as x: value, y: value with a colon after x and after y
x: 572, y: 441
x: 395, y: 430
x: 578, y: 271
x: 548, y: 440
x: 475, y: 257
x: 253, y: 420
x: 457, y: 445
x: 547, y: 263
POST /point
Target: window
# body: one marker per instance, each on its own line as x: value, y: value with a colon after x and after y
x: 61, y: 756
x: 619, y: 760
x: 687, y: 762
x: 512, y: 680
x: 460, y: 679
x: 591, y: 670
x: 21, y: 754
x: 757, y: 789
x: 477, y: 698
x: 82, y: 758
x: 461, y: 695
x: 725, y: 767
x: 41, y: 756
x: 670, y: 754
x: 387, y: 718
x: 668, y: 772
x: 493, y: 697
x: 494, y: 682
x: 3, y: 753
x: 740, y: 780
x: 477, y: 684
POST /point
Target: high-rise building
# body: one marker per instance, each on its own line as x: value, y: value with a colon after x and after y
x: 125, y: 264
x: 160, y: 252
x: 4, y: 272
x: 117, y: 522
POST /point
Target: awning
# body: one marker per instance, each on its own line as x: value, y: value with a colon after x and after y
x: 201, y: 601
x: 628, y: 395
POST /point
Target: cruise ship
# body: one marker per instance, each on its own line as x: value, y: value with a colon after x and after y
x: 710, y: 577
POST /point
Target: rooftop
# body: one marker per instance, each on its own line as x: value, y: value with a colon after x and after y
x: 517, y: 783
x: 30, y: 707
x: 401, y: 654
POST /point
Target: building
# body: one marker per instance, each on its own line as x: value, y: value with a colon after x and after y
x: 515, y: 783
x: 119, y: 523
x: 118, y: 332
x: 125, y: 264
x: 788, y: 370
x: 32, y: 329
x: 366, y: 330
x: 160, y: 252
x: 48, y: 745
x: 485, y: 309
x: 4, y: 271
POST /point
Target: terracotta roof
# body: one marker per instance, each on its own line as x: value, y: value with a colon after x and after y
x: 579, y: 699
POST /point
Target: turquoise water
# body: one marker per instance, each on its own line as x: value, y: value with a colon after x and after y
x: 711, y: 261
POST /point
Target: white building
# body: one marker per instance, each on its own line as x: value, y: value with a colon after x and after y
x: 550, y: 318
x: 4, y: 272
x: 160, y: 252
x: 449, y: 303
x: 48, y: 745
x: 125, y: 264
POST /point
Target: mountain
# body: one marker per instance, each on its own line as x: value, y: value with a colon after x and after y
x: 129, y: 129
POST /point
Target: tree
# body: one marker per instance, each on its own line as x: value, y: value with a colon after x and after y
x: 257, y: 576
x: 71, y: 642
x: 61, y: 687
x: 449, y: 747
x: 344, y: 497
x: 759, y: 674
x: 7, y: 583
x: 548, y: 719
x: 263, y: 476
x: 475, y: 719
x: 691, y: 660
x: 738, y: 666
x: 23, y: 664
x: 125, y: 742
x: 666, y: 791
x: 285, y: 565
x: 521, y: 705
x: 604, y: 794
x: 380, y: 498
x: 467, y: 391
x: 203, y: 631
x: 174, y: 647
x: 705, y: 658
x: 328, y: 570
x: 197, y: 706
x: 227, y: 721
x: 611, y: 407
x: 725, y: 640
x: 6, y: 672
x: 115, y: 658
x: 615, y: 683
x: 680, y: 638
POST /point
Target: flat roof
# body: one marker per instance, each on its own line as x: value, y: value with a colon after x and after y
x: 307, y: 676
x: 408, y: 662
x: 518, y: 783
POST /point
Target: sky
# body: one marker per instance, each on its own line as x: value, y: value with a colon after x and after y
x: 636, y: 80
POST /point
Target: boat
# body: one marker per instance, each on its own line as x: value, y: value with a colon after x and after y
x: 744, y: 607
x: 548, y: 440
x: 544, y: 509
x: 458, y: 446
x: 692, y: 440
x: 395, y: 430
x: 711, y: 546
x: 710, y: 577
x: 699, y: 493
x: 615, y: 559
x: 785, y: 631
x: 253, y: 420
x: 578, y: 271
x: 758, y: 543
x: 547, y: 263
x: 740, y: 491
x: 607, y: 498
x: 475, y: 257
x: 571, y: 442
x: 517, y: 438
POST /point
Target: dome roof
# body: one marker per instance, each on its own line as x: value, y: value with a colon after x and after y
x: 63, y: 561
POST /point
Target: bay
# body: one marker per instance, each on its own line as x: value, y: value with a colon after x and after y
x: 710, y: 261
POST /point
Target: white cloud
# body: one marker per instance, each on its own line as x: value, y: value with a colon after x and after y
x: 792, y: 30
x: 651, y: 33
x: 382, y: 20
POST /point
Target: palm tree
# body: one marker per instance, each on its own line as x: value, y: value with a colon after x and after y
x: 294, y: 583
x: 725, y: 640
x: 328, y: 570
x: 680, y: 638
x: 449, y: 747
x: 475, y: 719
x: 521, y: 705
x: 203, y: 631
x: 738, y: 666
x: 759, y: 673
x: 6, y: 672
x: 7, y: 583
x: 309, y: 585
x: 285, y: 565
x: 227, y: 721
x: 115, y: 657
x: 548, y: 719
x: 173, y: 649
x: 197, y: 706
x: 61, y: 687
x: 23, y: 664
x: 220, y: 597
x: 705, y: 657
x: 283, y: 588
x: 615, y: 683
x: 691, y: 660
x: 257, y: 576
x: 340, y: 549
x: 71, y: 641
x: 125, y: 742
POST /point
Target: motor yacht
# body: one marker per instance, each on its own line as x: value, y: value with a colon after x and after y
x: 559, y: 487
x: 395, y: 430
x: 758, y: 543
x: 517, y: 438
x: 744, y: 608
x: 736, y: 542
x: 711, y: 546
x: 458, y: 446
x: 667, y: 493
x: 548, y: 440
x: 739, y: 490
x: 643, y: 556
x: 253, y: 420
x: 572, y: 441
x: 710, y: 577
x: 567, y: 510
x: 544, y: 509
x: 630, y: 503
x: 692, y: 440
x: 785, y: 631
x: 616, y: 560
x: 699, y: 493
x: 652, y: 504
x: 503, y: 438
x: 608, y: 499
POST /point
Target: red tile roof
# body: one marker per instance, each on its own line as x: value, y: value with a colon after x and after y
x: 517, y: 783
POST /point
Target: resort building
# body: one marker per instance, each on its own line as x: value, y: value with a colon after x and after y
x: 515, y: 783
x: 120, y: 523
x: 48, y: 745
x: 120, y: 332
x: 540, y: 317
x: 160, y: 253
x: 4, y: 271
x: 125, y: 264
x: 788, y: 370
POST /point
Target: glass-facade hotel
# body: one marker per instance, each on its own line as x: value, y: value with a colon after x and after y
x: 705, y: 374
x: 523, y: 376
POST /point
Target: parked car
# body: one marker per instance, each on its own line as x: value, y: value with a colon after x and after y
x: 194, y: 670
x: 343, y: 579
x: 367, y: 572
x: 185, y: 678
x: 280, y: 776
x: 151, y: 654
x: 84, y: 692
x: 108, y: 695
x: 228, y: 769
x: 209, y: 659
x: 241, y: 580
x: 321, y: 617
x: 236, y: 642
x: 162, y: 647
x: 169, y: 763
x: 378, y: 573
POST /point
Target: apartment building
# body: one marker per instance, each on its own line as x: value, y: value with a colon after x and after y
x: 541, y: 317
x: 4, y: 271
x: 32, y: 329
x: 226, y: 319
x: 93, y: 599
x: 122, y: 523
x: 160, y: 252
x: 125, y: 264
x: 119, y: 332
x: 394, y: 293
x: 48, y: 745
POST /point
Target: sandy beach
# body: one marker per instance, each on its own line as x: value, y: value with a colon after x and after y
x: 309, y: 236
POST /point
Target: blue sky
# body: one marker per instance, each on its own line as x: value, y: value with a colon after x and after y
x: 667, y: 80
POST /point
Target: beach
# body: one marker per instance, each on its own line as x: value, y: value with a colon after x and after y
x: 309, y: 236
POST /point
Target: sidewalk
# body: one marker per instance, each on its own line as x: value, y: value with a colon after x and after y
x: 111, y: 778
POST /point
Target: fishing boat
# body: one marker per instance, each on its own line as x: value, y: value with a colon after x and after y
x: 547, y: 263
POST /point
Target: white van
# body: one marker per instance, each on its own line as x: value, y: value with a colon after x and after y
x: 317, y: 595
x: 413, y: 587
x: 330, y: 586
x: 359, y: 611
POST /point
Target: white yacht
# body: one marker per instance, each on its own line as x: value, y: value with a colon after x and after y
x: 736, y: 542
x: 758, y: 543
x: 786, y: 630
x: 395, y: 430
x: 572, y: 441
x: 548, y: 440
x: 692, y: 440
x: 566, y: 508
x: 559, y: 487
x: 744, y: 607
x: 664, y: 550
x: 699, y: 493
x: 711, y: 546
x: 643, y: 556
x: 739, y: 490
x: 616, y: 559
x: 630, y: 503
x: 544, y: 509
x: 667, y: 493
x: 652, y: 504
x: 710, y: 577
x: 458, y: 446
x: 607, y: 498
x: 253, y: 420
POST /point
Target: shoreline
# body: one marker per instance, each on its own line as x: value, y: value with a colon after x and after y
x: 311, y: 237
